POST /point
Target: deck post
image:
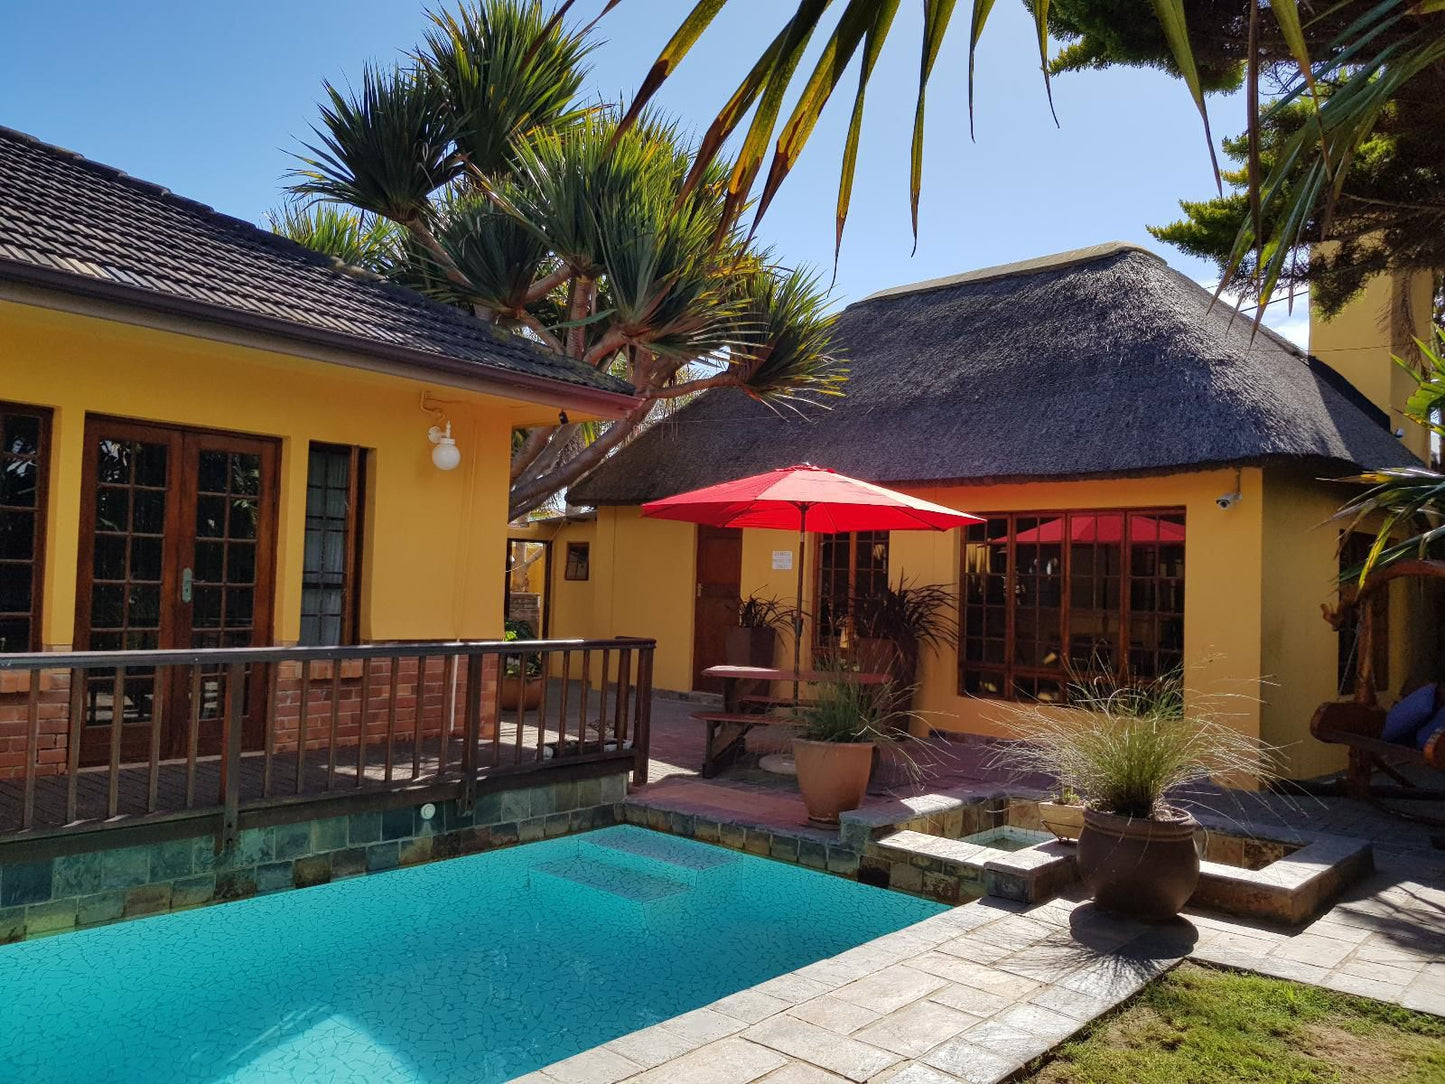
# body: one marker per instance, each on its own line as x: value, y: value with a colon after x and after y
x: 471, y: 731
x: 642, y: 730
x: 231, y: 728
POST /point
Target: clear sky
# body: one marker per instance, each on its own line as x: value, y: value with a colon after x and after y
x: 209, y: 99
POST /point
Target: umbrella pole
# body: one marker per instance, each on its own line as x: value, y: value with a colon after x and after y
x: 798, y: 613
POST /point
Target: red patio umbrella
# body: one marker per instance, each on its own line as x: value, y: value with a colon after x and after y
x: 806, y: 498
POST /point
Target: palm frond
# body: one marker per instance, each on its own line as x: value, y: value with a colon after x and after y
x: 384, y: 149
x: 506, y: 70
x: 349, y: 236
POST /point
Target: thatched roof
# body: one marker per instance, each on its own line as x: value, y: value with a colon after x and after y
x: 1102, y: 362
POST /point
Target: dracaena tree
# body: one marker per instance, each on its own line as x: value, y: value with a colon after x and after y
x: 1344, y: 104
x: 475, y: 172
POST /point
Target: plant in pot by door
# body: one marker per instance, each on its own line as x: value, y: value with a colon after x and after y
x: 522, y: 672
x: 1127, y: 752
x: 839, y: 730
x: 753, y: 641
x: 895, y: 627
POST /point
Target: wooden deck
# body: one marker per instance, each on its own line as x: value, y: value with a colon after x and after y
x: 522, y: 741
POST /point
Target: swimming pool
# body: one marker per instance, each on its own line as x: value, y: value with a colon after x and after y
x: 473, y: 969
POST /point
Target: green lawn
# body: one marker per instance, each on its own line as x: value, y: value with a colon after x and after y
x: 1198, y: 1026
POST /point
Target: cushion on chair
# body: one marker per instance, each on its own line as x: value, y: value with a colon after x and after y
x: 1430, y: 729
x: 1410, y: 713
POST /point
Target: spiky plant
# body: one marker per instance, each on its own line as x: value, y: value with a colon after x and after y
x: 614, y: 244
x: 1128, y: 748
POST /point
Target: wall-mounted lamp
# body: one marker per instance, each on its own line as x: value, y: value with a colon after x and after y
x: 445, y: 455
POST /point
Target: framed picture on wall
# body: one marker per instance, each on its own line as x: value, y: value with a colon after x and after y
x: 577, y: 561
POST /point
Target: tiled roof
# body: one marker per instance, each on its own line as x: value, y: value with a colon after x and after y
x: 64, y: 215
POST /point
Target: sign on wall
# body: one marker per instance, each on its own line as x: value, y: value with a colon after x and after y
x: 782, y: 560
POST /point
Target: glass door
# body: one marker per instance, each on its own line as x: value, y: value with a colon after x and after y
x: 177, y: 550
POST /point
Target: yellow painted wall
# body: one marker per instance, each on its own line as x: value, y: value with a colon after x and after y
x: 1359, y: 341
x: 642, y: 584
x: 1222, y: 587
x: 1300, y: 650
x: 434, y: 541
x: 1255, y: 577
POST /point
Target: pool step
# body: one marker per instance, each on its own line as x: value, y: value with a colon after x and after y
x: 614, y: 879
x: 654, y: 847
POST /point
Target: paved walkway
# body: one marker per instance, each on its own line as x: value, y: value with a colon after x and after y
x: 975, y: 993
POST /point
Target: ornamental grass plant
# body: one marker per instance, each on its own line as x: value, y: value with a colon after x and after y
x: 1127, y: 748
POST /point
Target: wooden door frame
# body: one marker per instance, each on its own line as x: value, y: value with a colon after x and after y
x: 178, y: 551
x: 703, y: 532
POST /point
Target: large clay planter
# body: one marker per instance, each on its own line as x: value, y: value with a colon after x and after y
x: 751, y: 646
x: 515, y: 693
x: 832, y: 776
x: 1136, y: 867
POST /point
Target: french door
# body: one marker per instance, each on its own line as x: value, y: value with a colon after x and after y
x: 177, y: 550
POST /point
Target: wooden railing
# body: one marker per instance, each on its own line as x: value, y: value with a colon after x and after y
x: 92, y: 740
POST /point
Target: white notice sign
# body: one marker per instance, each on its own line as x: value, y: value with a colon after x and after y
x: 782, y: 560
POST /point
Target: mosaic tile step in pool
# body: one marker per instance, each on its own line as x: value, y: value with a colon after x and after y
x: 474, y: 970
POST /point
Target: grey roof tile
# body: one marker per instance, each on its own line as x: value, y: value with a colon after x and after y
x: 62, y: 212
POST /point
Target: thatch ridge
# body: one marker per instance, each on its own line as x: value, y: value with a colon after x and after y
x: 1097, y: 363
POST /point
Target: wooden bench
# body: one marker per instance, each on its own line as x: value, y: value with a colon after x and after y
x: 727, y: 732
x: 1357, y: 727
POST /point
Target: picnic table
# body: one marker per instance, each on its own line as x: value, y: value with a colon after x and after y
x: 748, y: 702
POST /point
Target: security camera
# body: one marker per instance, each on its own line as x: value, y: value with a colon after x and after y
x: 1229, y: 500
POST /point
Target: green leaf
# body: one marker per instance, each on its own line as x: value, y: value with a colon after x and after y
x: 936, y: 14
x: 682, y: 40
x: 981, y: 9
x: 857, y: 19
x: 872, y: 46
x: 1176, y: 33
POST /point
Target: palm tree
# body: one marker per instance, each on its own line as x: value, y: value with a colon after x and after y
x: 1404, y: 507
x: 1358, y: 66
x: 473, y: 172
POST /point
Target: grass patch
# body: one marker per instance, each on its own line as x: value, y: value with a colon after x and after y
x: 1199, y: 1026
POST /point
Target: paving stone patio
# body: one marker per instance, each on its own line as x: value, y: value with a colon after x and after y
x: 976, y: 993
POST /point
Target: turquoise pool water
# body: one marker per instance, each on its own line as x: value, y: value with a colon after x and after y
x: 475, y: 969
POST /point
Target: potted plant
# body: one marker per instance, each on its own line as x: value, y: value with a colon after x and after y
x: 1127, y: 750
x: 896, y: 626
x: 839, y: 730
x: 522, y: 672
x: 754, y: 640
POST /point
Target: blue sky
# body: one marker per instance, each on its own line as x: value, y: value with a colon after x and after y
x: 210, y: 99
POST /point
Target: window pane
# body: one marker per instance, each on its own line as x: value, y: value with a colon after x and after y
x: 1119, y: 577
x: 331, y: 542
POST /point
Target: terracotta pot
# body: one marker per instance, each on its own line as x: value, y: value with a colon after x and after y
x: 1063, y: 819
x: 516, y: 693
x: 1136, y: 867
x: 751, y: 647
x: 832, y: 776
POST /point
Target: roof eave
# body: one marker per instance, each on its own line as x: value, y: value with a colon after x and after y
x: 499, y: 381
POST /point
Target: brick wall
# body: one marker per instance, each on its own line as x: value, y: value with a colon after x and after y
x: 432, y: 695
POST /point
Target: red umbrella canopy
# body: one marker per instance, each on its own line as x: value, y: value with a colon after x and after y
x: 809, y: 498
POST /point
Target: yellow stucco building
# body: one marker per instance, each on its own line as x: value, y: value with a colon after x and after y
x: 1154, y: 482
x: 214, y: 437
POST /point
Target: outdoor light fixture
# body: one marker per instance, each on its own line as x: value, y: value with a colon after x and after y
x: 446, y: 455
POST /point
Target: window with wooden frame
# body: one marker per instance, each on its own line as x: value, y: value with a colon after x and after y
x: 1047, y: 595
x: 852, y: 571
x: 24, y: 474
x: 331, y: 571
